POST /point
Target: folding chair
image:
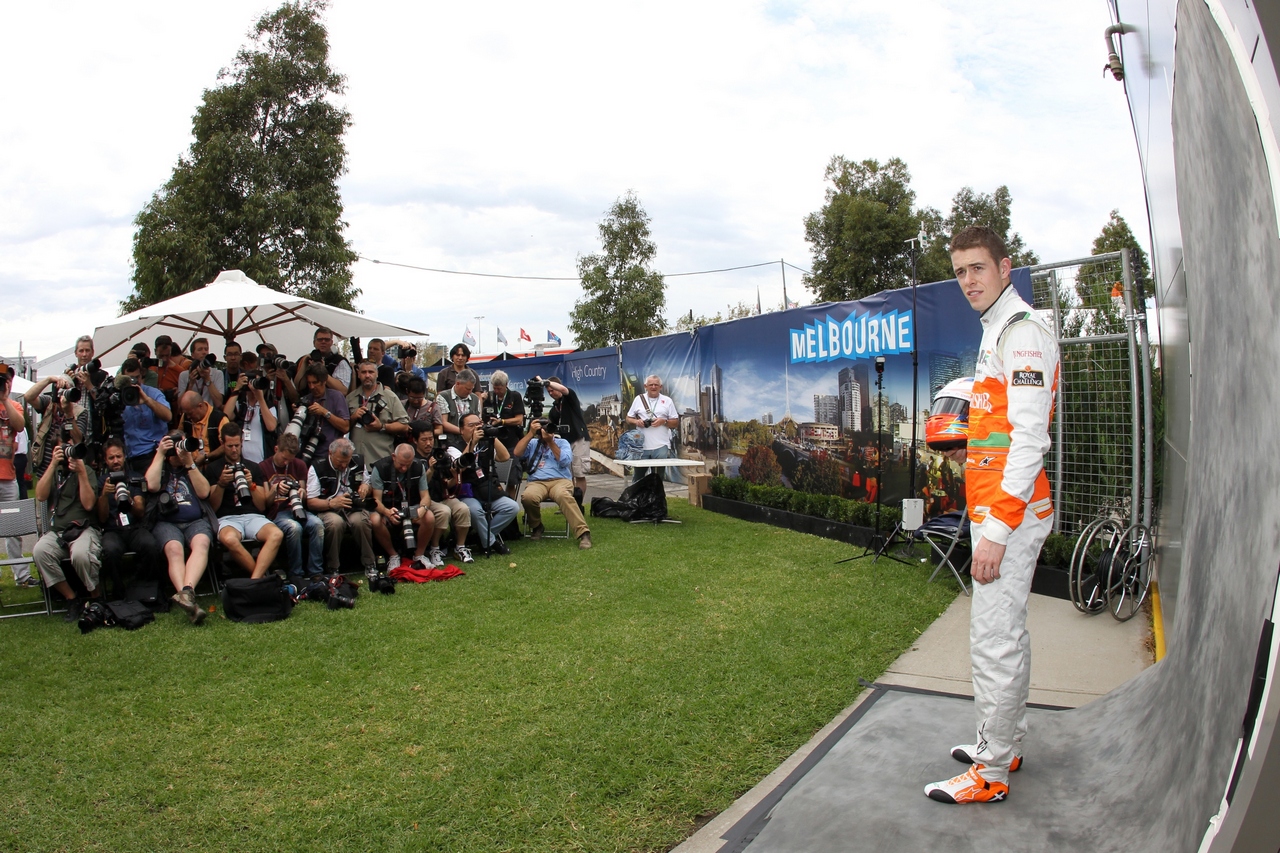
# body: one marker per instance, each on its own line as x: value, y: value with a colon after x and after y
x: 19, y: 518
x: 947, y: 536
x: 547, y: 532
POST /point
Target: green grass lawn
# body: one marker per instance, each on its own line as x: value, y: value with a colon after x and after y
x: 599, y: 700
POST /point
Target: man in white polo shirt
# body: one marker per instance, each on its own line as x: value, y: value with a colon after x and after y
x: 655, y: 413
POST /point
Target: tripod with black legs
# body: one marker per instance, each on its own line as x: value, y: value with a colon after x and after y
x: 879, y: 544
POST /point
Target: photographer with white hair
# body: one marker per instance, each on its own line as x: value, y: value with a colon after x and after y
x: 655, y: 413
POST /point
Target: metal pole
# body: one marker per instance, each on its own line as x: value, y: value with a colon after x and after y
x: 1130, y: 322
x: 915, y: 369
x: 1059, y: 476
x: 1148, y: 421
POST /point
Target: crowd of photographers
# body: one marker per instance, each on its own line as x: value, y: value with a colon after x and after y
x: 290, y: 459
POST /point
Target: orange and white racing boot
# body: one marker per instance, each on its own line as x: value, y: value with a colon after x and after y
x: 968, y: 787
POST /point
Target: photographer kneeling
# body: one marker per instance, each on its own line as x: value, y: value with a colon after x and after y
x: 239, y: 498
x: 403, y: 504
x: 548, y: 459
x: 476, y: 470
x: 121, y: 512
x: 180, y: 491
x: 340, y: 504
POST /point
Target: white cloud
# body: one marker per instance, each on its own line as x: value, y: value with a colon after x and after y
x: 493, y: 138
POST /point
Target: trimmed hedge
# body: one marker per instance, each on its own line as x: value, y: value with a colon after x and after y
x: 831, y: 507
x: 1055, y: 552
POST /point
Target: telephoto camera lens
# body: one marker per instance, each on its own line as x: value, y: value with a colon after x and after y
x: 262, y: 383
x: 406, y: 525
x: 313, y: 444
x: 192, y: 445
x: 123, y: 497
x: 297, y: 422
x: 295, y: 501
x: 131, y: 395
x: 242, y: 484
x: 209, y: 360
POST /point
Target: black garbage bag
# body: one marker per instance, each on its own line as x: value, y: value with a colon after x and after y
x: 643, y: 500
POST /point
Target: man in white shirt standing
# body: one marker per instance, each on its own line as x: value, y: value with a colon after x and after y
x: 655, y: 413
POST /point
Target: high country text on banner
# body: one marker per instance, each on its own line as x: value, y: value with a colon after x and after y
x: 859, y: 336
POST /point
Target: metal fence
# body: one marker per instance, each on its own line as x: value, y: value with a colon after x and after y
x: 1101, y: 462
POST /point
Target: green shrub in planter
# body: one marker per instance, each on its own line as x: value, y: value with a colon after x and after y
x: 1056, y: 550
x: 730, y: 488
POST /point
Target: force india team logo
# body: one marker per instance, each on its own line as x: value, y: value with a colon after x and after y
x: 859, y: 336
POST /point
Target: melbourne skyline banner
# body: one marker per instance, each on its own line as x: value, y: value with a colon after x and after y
x: 797, y: 388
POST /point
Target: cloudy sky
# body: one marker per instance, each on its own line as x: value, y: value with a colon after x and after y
x: 492, y: 138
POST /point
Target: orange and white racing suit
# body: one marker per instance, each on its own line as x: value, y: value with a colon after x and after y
x: 1008, y: 503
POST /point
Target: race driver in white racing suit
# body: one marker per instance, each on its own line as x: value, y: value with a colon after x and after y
x: 1009, y: 508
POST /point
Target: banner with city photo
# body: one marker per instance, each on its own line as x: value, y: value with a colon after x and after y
x: 791, y: 397
x: 794, y: 397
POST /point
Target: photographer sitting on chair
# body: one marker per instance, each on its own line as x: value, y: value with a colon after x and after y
x: 547, y: 457
x: 290, y: 484
x: 474, y: 472
x: 70, y: 487
x: 121, y: 512
x: 339, y: 502
x: 239, y: 497
x: 180, y: 490
x: 402, y: 507
x: 441, y: 483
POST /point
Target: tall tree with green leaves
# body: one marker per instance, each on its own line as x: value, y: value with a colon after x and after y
x: 257, y: 190
x: 995, y: 210
x: 859, y: 237
x: 622, y: 297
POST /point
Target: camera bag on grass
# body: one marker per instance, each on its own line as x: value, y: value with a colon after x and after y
x: 147, y: 592
x: 131, y: 615
x: 256, y: 600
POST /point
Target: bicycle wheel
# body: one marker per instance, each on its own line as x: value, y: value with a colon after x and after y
x: 1096, y: 554
x: 1129, y: 579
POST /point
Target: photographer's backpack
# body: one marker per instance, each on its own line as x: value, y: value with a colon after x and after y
x: 256, y: 600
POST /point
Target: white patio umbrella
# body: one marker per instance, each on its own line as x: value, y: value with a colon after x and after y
x: 235, y: 306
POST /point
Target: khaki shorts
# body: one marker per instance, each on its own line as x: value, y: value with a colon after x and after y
x: 581, y: 465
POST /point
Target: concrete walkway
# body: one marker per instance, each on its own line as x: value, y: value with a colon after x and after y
x: 1075, y: 659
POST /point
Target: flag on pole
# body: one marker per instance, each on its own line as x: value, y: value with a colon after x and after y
x: 502, y: 339
x: 524, y: 336
x: 468, y: 338
x: 553, y: 338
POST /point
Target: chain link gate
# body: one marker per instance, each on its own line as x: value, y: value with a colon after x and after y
x: 1100, y: 464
